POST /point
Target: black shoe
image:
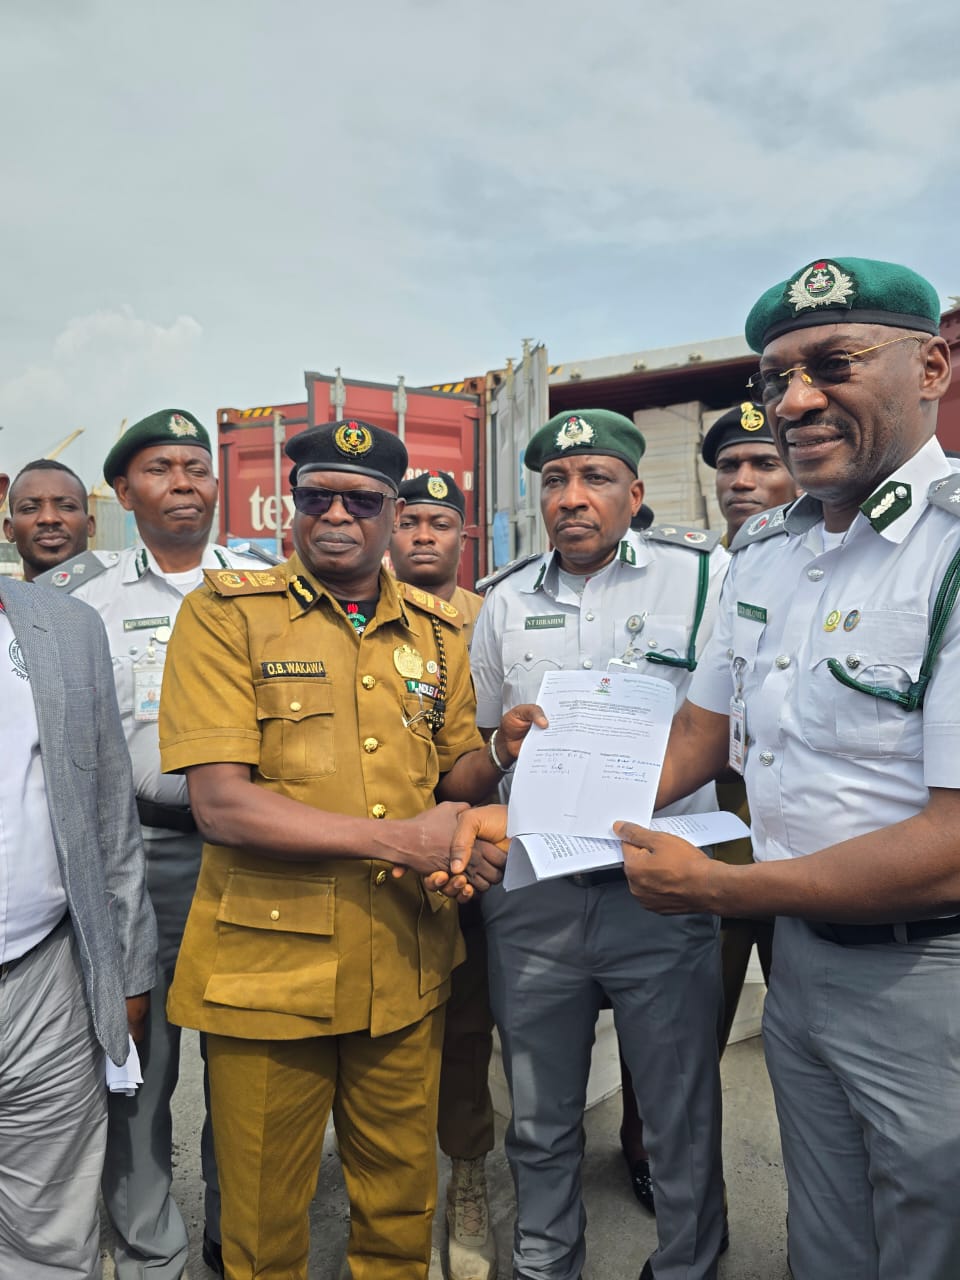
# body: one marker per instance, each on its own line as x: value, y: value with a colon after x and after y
x: 213, y: 1254
x: 642, y: 1184
x: 647, y: 1272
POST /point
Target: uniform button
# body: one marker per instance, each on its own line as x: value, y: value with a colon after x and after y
x: 652, y: 644
x: 590, y: 616
x: 853, y: 661
x: 766, y: 757
x: 274, y: 914
x: 368, y: 681
x: 381, y: 878
x: 729, y: 653
x: 295, y: 706
x: 528, y: 656
x: 783, y: 661
x: 370, y: 745
x: 379, y: 810
x: 814, y: 574
x: 588, y: 663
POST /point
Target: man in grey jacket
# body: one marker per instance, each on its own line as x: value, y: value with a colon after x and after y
x: 77, y: 932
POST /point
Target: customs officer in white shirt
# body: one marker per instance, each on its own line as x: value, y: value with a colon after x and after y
x: 161, y: 469
x: 837, y: 658
x: 604, y: 594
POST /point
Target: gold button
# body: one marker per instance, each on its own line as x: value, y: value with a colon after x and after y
x: 274, y: 914
x: 295, y: 706
x: 368, y: 681
x: 370, y: 745
x: 381, y: 878
x: 379, y: 810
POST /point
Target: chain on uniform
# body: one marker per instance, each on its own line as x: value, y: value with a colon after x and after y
x: 436, y: 716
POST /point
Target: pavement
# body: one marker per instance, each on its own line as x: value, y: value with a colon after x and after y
x: 620, y: 1234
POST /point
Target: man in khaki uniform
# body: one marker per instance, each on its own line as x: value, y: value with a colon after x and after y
x: 426, y: 547
x: 317, y: 709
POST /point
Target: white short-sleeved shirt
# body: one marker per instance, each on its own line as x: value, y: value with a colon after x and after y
x: 644, y: 601
x: 139, y: 604
x: 825, y: 762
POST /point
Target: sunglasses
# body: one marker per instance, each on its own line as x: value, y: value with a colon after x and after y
x: 361, y: 504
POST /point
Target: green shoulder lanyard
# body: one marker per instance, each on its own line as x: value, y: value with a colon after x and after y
x: 912, y: 700
x: 690, y: 661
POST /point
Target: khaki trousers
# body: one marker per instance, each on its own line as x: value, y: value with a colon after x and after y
x: 271, y: 1100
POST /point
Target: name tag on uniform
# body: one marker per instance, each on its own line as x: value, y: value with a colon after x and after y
x: 755, y: 612
x: 291, y: 667
x: 145, y: 624
x: 544, y: 621
x: 421, y: 687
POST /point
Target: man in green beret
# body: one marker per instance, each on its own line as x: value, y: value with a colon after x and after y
x: 832, y: 682
x: 325, y: 717
x: 162, y: 470
x: 606, y: 596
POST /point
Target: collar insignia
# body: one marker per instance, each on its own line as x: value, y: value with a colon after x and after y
x: 887, y: 504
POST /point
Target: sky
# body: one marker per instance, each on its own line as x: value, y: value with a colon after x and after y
x: 202, y: 200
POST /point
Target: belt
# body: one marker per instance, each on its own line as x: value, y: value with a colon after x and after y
x: 9, y: 965
x: 587, y: 879
x: 858, y: 935
x: 174, y: 817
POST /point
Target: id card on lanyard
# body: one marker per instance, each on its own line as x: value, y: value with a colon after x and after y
x: 738, y: 719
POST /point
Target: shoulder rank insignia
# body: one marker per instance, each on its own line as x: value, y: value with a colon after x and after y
x: 243, y: 582
x: 945, y: 493
x: 765, y: 525
x: 887, y: 504
x: 491, y: 580
x: 430, y: 603
x: 74, y: 573
x: 680, y: 536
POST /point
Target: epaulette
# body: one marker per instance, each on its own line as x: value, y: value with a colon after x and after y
x: 697, y: 539
x: 82, y: 568
x: 430, y: 603
x: 765, y: 525
x: 945, y: 493
x: 491, y: 580
x: 244, y: 582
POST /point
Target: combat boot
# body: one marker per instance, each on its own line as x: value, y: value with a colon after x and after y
x: 472, y: 1250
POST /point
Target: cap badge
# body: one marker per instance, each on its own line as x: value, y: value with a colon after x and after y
x: 353, y: 439
x: 821, y: 285
x: 437, y: 487
x: 573, y: 432
x: 181, y: 426
x: 751, y: 418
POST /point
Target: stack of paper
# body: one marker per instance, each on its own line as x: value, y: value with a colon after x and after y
x: 669, y: 465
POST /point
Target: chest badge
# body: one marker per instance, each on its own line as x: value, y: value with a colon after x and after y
x: 408, y: 662
x: 832, y: 620
x: 851, y: 620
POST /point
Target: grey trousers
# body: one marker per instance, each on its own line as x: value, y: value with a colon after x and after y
x: 555, y: 950
x: 53, y: 1118
x: 863, y: 1049
x: 138, y: 1173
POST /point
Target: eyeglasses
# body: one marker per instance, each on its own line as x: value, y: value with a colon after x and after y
x: 826, y: 371
x: 362, y: 504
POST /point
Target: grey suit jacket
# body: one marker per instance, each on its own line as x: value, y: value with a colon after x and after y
x: 86, y: 767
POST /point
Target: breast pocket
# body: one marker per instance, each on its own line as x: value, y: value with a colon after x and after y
x: 668, y: 634
x: 884, y: 651
x: 527, y: 657
x: 296, y: 728
x: 275, y: 946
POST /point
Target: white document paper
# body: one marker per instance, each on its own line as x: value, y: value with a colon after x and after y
x: 600, y: 757
x: 541, y: 857
x: 128, y: 1078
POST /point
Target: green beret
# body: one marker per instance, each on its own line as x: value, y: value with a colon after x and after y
x: 438, y: 488
x: 586, y: 431
x: 168, y: 426
x: 356, y: 447
x: 746, y: 424
x: 845, y: 291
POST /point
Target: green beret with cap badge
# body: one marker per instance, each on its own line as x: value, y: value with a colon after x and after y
x: 746, y: 424
x: 844, y: 291
x: 438, y: 488
x: 167, y: 426
x: 586, y: 431
x: 352, y: 446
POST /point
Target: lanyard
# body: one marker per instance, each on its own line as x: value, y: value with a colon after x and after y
x: 912, y: 700
x: 690, y: 661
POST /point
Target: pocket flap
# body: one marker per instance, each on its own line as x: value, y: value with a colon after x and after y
x: 293, y: 699
x: 281, y: 904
